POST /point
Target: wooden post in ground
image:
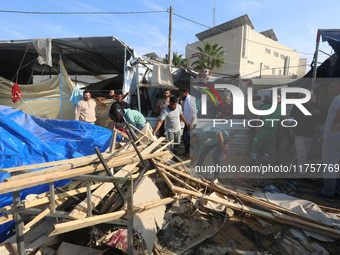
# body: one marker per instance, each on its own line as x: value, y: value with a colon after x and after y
x: 129, y: 216
x: 19, y: 224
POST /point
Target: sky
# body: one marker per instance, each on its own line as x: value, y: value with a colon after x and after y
x: 295, y: 22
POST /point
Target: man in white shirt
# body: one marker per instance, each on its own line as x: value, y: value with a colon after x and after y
x: 331, y: 147
x: 172, y: 114
x: 190, y: 114
x: 86, y: 109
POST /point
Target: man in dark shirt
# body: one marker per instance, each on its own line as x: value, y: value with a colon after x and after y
x: 144, y: 102
x: 120, y: 104
x: 304, y: 129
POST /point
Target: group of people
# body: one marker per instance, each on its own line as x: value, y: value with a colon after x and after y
x: 172, y: 111
x: 302, y: 135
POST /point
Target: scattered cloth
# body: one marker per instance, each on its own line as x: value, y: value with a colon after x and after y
x: 16, y: 94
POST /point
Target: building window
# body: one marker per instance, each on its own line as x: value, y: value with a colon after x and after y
x: 250, y: 62
x: 280, y: 72
x: 267, y: 51
x: 283, y: 57
x: 265, y: 67
x: 276, y: 54
x: 273, y: 70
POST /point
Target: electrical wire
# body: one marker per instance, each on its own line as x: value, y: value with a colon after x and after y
x: 146, y: 12
x: 79, y: 13
x: 274, y: 47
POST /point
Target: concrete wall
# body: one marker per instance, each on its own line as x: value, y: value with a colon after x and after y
x: 231, y: 41
x: 246, y: 49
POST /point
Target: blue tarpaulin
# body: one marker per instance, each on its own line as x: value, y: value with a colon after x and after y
x: 26, y: 140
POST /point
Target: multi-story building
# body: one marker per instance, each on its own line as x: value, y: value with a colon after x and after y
x: 247, y: 52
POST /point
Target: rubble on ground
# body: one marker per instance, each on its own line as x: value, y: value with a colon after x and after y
x: 174, y: 211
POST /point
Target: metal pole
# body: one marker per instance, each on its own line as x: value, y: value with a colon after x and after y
x: 138, y: 91
x: 89, y: 199
x: 124, y: 85
x: 19, y: 224
x: 316, y: 55
x: 52, y: 197
x: 170, y: 37
x: 129, y: 215
x: 61, y: 89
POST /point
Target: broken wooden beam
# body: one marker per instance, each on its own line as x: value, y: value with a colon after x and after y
x: 228, y: 191
x: 87, y: 222
x: 317, y: 228
x: 51, y: 177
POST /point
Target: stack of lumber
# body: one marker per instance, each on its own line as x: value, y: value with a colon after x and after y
x: 45, y: 227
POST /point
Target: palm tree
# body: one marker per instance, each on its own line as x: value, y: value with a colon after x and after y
x: 177, y: 60
x: 211, y: 56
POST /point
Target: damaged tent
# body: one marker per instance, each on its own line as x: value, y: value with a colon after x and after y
x: 78, y: 59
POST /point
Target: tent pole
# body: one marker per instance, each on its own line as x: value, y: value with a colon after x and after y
x: 61, y: 89
x: 124, y: 87
x: 316, y: 55
x: 138, y: 90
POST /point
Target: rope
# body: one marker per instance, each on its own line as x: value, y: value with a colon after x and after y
x: 22, y: 60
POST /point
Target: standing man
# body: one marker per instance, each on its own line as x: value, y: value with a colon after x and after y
x: 305, y: 129
x: 331, y: 147
x: 173, y: 115
x: 190, y: 114
x: 144, y: 102
x: 266, y: 133
x: 210, y: 139
x: 161, y: 104
x: 119, y: 104
x: 86, y: 109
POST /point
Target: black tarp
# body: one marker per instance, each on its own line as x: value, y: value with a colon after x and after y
x: 81, y: 56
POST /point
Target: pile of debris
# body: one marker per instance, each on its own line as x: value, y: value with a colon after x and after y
x: 139, y: 197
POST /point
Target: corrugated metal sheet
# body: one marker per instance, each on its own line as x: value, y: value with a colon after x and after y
x: 229, y: 25
x: 270, y: 34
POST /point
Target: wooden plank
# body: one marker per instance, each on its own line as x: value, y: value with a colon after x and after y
x: 45, y: 200
x: 43, y: 214
x: 53, y: 163
x: 40, y: 201
x: 178, y: 180
x: 181, y: 163
x: 165, y: 178
x: 122, y: 134
x: 276, y: 217
x: 230, y: 192
x: 329, y: 209
x: 113, y: 141
x: 164, y: 146
x: 100, y: 193
x: 46, y: 164
x: 83, y: 223
x: 51, y: 177
x: 67, y: 166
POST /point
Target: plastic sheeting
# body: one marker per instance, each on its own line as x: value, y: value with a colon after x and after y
x: 43, y: 47
x: 42, y: 99
x: 26, y: 140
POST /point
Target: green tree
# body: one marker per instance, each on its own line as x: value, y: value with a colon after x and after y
x: 211, y: 56
x: 177, y: 60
